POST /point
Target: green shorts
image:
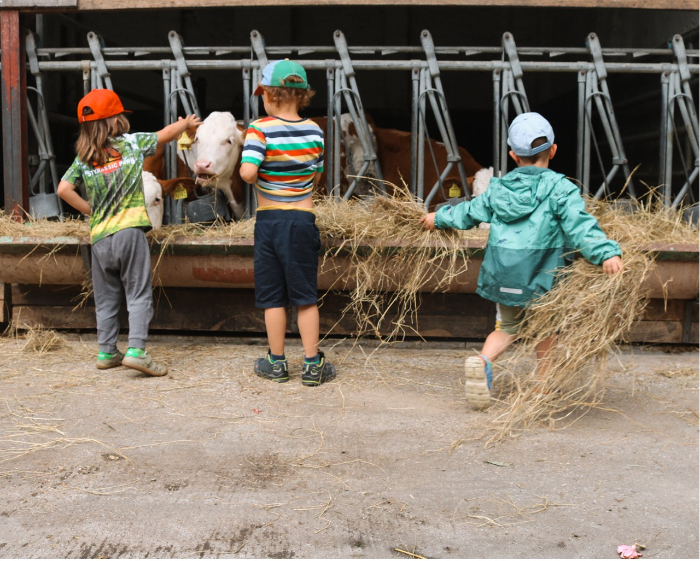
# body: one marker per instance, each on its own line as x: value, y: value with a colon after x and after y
x: 509, y: 318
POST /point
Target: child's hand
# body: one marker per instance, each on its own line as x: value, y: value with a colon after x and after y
x: 612, y: 265
x: 428, y: 221
x: 192, y: 122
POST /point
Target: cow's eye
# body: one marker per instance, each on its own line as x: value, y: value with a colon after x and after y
x: 230, y: 141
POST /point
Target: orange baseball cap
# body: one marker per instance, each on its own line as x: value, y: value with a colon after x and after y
x: 100, y: 104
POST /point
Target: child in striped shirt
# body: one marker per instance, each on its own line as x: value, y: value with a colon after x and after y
x: 283, y: 158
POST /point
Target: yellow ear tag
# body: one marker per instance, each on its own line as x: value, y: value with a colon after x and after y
x: 455, y: 191
x: 184, y: 142
x: 179, y: 192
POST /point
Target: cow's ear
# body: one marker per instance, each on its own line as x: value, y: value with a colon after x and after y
x: 238, y: 136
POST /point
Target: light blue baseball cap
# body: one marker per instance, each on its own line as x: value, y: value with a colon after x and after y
x: 525, y: 128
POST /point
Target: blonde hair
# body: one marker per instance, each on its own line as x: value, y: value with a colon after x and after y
x: 95, y: 136
x: 281, y: 95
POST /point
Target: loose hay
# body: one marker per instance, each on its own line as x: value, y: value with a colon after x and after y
x: 392, y: 258
x: 588, y: 312
x: 39, y: 340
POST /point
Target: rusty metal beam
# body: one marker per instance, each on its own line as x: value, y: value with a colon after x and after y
x: 14, y: 114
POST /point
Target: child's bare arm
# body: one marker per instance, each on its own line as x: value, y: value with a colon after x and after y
x: 249, y: 172
x: 174, y: 130
x: 612, y: 265
x: 68, y: 193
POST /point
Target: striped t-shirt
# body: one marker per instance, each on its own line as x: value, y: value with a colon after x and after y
x: 288, y: 154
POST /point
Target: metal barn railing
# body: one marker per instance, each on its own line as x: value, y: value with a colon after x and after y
x: 343, y: 65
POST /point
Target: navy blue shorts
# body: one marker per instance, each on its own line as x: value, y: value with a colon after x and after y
x: 286, y: 249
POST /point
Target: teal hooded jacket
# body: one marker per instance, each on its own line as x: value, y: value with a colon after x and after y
x: 537, y: 217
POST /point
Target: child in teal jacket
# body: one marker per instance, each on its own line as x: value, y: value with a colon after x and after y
x: 537, y: 216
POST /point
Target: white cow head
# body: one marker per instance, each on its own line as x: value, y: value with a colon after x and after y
x: 215, y: 153
x: 217, y: 146
x: 153, y: 195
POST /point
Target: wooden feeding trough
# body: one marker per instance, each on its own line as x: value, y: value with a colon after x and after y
x: 207, y: 285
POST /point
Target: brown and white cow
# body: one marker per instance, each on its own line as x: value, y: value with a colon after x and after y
x: 154, y: 190
x: 393, y: 149
x: 213, y: 157
x: 216, y: 155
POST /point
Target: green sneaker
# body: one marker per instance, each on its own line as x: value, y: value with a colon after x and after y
x: 106, y: 360
x: 140, y: 360
x: 275, y: 370
x: 317, y: 373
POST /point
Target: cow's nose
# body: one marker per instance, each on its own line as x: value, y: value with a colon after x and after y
x: 202, y: 166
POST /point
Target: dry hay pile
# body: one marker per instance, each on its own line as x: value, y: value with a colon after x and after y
x: 589, y: 313
x: 640, y: 223
x: 37, y: 340
x: 391, y: 259
x: 42, y: 228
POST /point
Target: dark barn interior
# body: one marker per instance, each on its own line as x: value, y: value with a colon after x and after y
x: 386, y: 94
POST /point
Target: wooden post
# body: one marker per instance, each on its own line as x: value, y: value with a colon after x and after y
x: 14, y: 114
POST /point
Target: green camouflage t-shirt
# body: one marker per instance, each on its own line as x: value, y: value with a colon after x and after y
x: 115, y: 190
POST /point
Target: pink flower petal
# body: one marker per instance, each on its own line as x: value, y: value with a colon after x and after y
x: 628, y: 552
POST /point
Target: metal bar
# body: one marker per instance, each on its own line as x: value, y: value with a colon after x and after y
x: 663, y: 141
x: 396, y: 65
x: 247, y: 92
x: 331, y: 189
x: 686, y: 107
x: 96, y: 44
x: 14, y: 114
x: 516, y: 74
x: 42, y: 153
x: 686, y: 188
x: 168, y: 202
x: 581, y: 77
x: 415, y: 96
x: 496, y: 76
x: 590, y: 80
x: 420, y: 163
x: 381, y: 50
x: 607, y: 113
x: 354, y: 102
x: 335, y: 100
x: 438, y: 184
x: 183, y: 73
x: 668, y: 158
x: 258, y: 44
x: 87, y: 79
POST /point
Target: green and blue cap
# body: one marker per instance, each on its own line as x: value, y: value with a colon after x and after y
x: 276, y: 73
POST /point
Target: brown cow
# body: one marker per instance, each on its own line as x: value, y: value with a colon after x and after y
x: 393, y: 148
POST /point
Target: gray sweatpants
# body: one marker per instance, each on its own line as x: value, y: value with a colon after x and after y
x: 122, y: 259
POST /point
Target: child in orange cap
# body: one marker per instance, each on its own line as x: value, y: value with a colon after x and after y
x: 109, y: 163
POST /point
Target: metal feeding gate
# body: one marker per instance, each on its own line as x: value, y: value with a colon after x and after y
x: 591, y: 65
